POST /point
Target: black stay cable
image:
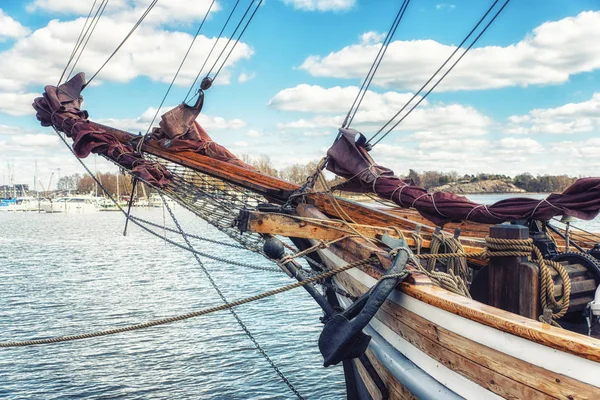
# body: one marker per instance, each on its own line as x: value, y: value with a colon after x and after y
x: 137, y: 24
x: 231, y: 37
x: 211, y: 51
x: 238, y: 39
x: 95, y: 23
x: 196, y: 254
x: 180, y: 66
x: 374, y: 66
x: 445, y: 74
x: 439, y: 69
x: 78, y: 41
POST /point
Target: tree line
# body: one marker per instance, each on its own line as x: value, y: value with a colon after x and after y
x: 297, y: 173
x: 525, y: 181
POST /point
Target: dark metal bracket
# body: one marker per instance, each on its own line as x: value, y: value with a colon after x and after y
x: 342, y: 337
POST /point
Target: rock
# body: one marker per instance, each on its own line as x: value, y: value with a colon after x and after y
x: 491, y: 186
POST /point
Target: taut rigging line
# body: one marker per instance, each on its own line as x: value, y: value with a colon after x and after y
x: 133, y: 29
x: 438, y: 70
x: 375, y: 66
x: 180, y: 66
x: 82, y: 35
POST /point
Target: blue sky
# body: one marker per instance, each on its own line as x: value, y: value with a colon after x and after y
x: 526, y: 98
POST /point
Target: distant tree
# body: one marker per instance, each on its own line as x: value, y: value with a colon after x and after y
x: 68, y: 183
x: 414, y: 175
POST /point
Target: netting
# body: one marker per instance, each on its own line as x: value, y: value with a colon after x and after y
x: 216, y: 201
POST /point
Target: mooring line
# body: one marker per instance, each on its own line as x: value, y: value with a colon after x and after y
x: 193, y: 314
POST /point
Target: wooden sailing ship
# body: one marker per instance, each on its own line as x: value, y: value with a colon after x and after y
x: 435, y: 309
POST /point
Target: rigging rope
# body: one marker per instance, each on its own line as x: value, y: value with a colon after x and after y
x: 436, y: 72
x: 137, y: 24
x: 180, y: 66
x: 95, y: 24
x: 211, y: 51
x: 227, y: 306
x: 237, y: 40
x: 218, y: 59
x: 78, y: 41
x: 231, y: 310
x: 375, y: 66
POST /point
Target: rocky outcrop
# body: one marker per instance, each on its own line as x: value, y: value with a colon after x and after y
x: 491, y: 186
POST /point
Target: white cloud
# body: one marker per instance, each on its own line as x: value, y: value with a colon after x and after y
x: 17, y: 104
x: 566, y: 119
x: 151, y: 51
x: 244, y: 77
x: 428, y: 121
x: 9, y: 28
x: 550, y: 55
x: 317, y: 133
x: 445, y: 6
x: 371, y: 37
x: 321, y: 5
x: 253, y: 133
x: 34, y: 140
x: 172, y: 11
x: 336, y: 99
x: 141, y: 123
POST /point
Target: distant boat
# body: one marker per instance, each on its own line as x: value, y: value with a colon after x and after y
x: 156, y: 201
x: 26, y: 203
x: 70, y: 205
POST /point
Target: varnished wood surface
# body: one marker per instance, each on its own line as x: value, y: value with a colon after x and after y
x: 285, y: 225
x: 498, y: 372
x: 559, y: 339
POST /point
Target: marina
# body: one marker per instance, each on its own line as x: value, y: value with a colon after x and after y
x: 173, y: 258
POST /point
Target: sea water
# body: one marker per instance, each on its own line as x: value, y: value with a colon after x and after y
x: 70, y: 274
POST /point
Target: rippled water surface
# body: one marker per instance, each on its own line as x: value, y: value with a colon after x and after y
x: 69, y: 274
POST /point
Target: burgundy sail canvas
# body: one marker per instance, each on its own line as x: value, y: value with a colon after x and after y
x: 61, y: 107
x: 349, y: 159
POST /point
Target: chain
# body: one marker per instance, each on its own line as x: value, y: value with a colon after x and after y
x: 231, y: 310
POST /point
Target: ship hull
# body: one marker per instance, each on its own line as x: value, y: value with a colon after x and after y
x: 426, y: 352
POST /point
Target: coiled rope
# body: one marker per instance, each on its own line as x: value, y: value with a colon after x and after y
x: 193, y: 314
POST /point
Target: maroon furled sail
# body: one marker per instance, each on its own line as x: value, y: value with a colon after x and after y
x: 60, y: 107
x: 349, y: 159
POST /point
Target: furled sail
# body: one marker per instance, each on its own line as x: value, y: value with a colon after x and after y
x: 60, y: 107
x: 349, y: 159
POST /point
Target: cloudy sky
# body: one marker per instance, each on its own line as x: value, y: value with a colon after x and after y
x: 526, y: 98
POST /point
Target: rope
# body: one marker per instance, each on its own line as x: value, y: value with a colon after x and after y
x: 238, y: 38
x: 211, y: 51
x: 458, y: 265
x: 137, y: 24
x: 525, y: 248
x: 231, y: 310
x: 193, y: 314
x: 93, y: 26
x: 79, y: 40
x: 180, y: 66
x: 375, y: 66
x: 442, y: 77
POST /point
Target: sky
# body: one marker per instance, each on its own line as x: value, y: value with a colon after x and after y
x: 526, y: 98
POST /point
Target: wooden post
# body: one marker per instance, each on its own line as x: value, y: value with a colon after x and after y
x: 505, y: 272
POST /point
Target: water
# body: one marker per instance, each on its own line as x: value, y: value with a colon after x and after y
x: 69, y: 274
